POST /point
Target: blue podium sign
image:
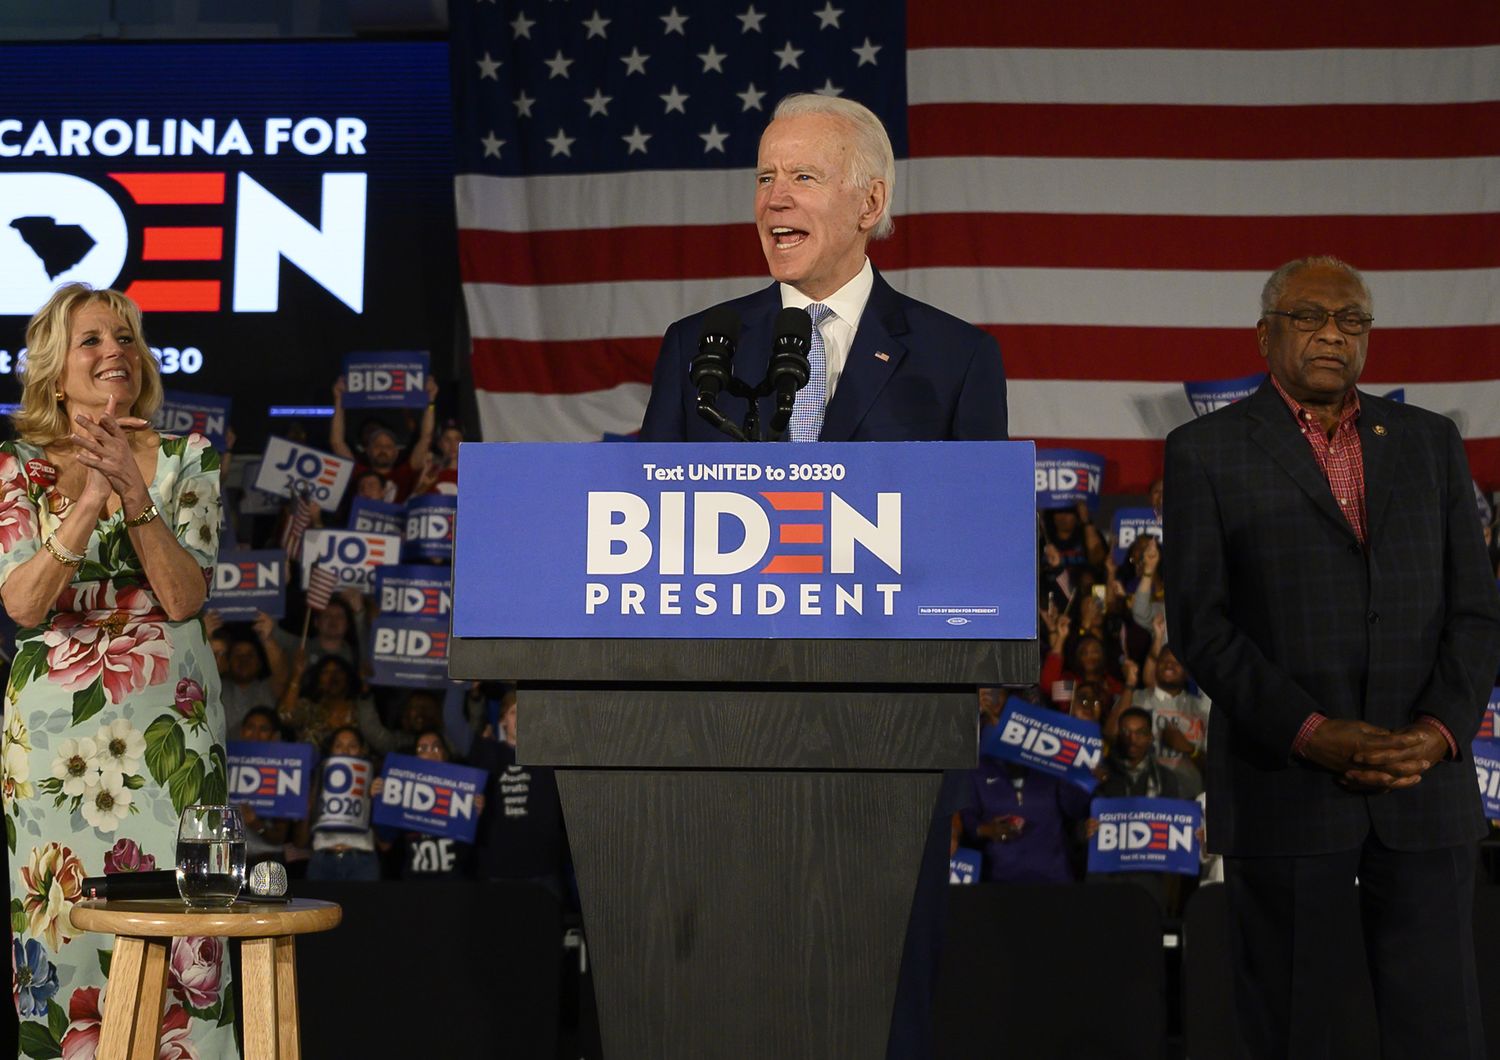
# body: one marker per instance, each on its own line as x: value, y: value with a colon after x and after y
x: 908, y: 540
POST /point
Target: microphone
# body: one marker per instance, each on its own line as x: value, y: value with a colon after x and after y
x: 789, y: 369
x: 710, y: 370
x: 267, y: 880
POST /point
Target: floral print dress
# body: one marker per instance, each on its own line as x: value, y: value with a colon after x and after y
x: 112, y: 726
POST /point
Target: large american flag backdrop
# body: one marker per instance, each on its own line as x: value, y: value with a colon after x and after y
x: 1104, y: 187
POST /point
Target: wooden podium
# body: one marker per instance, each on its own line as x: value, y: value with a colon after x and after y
x: 746, y: 820
x: 746, y: 815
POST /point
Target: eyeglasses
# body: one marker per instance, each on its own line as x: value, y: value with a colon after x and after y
x: 1349, y: 321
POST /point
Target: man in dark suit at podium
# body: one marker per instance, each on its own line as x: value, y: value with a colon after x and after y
x: 884, y: 367
x: 1328, y: 587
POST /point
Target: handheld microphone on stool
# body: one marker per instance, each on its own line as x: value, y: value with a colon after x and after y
x: 789, y: 368
x: 267, y: 881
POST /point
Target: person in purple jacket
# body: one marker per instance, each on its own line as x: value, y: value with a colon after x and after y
x: 1022, y: 820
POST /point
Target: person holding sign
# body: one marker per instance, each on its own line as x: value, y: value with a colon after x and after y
x: 1328, y: 587
x: 884, y: 367
x: 382, y: 451
x: 109, y: 535
x: 430, y: 857
x: 343, y: 843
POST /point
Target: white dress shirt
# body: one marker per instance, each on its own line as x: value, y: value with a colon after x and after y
x: 847, y: 303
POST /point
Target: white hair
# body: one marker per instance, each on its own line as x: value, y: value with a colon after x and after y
x: 870, y: 155
x: 1270, y: 294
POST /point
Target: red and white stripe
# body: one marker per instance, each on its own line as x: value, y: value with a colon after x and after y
x: 1104, y: 193
x: 322, y: 583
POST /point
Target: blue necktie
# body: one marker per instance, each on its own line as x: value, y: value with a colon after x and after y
x: 812, y: 400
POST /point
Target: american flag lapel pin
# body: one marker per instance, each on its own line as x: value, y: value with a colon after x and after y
x: 881, y: 355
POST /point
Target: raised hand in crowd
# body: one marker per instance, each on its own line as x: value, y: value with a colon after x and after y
x: 1094, y: 545
x: 265, y: 632
x: 212, y: 623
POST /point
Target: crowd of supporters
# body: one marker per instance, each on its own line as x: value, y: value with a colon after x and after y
x: 1106, y: 657
x: 320, y: 689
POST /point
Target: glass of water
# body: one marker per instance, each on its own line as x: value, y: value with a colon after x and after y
x: 210, y: 856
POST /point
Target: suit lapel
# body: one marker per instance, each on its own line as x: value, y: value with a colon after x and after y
x: 876, y: 351
x: 1375, y: 442
x: 1276, y: 432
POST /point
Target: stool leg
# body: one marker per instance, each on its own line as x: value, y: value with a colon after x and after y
x: 145, y: 1043
x: 259, y: 992
x: 122, y: 998
x: 288, y: 1031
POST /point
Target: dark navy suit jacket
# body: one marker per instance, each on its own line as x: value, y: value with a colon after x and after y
x: 913, y: 373
x: 1277, y: 612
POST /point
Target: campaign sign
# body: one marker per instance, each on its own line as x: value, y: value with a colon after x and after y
x: 1067, y: 747
x: 247, y: 582
x: 253, y: 501
x: 204, y: 414
x: 964, y: 866
x: 1397, y: 395
x: 1213, y: 394
x: 1145, y: 835
x: 376, y: 517
x: 429, y: 527
x: 436, y: 798
x: 291, y: 468
x: 344, y: 797
x: 392, y: 380
x: 409, y: 652
x: 1066, y: 476
x: 911, y: 540
x: 353, y: 556
x: 1487, y: 769
x: 1131, y: 523
x: 416, y: 591
x: 1487, y: 722
x: 273, y: 779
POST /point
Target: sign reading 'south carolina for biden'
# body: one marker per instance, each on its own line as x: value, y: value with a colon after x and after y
x: 273, y: 779
x: 428, y: 529
x: 1145, y: 835
x: 1213, y: 394
x: 417, y: 590
x: 204, y: 414
x: 385, y: 380
x: 829, y: 540
x: 1048, y: 740
x: 1487, y: 769
x: 247, y: 582
x: 409, y: 652
x: 432, y: 797
x: 1066, y: 476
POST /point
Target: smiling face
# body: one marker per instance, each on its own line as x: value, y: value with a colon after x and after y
x: 430, y: 746
x: 103, y: 360
x: 812, y: 221
x: 1316, y: 367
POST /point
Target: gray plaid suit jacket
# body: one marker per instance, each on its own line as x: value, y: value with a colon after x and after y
x: 1277, y: 612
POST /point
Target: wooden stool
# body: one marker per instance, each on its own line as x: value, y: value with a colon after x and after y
x: 138, y: 970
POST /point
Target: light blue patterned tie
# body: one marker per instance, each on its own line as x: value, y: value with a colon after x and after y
x: 812, y: 400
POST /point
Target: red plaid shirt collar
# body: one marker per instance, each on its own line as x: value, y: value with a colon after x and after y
x: 1342, y: 460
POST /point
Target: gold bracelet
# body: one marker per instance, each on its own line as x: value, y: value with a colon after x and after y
x: 147, y: 514
x: 62, y: 553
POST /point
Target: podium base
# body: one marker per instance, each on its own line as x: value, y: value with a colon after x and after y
x: 743, y: 914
